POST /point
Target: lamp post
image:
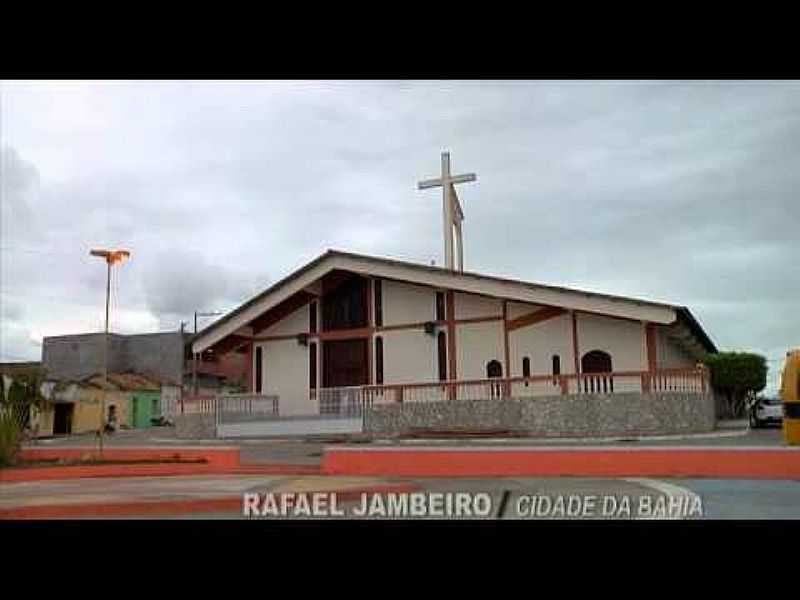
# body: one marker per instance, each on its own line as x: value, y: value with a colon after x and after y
x: 111, y: 257
x: 194, y: 356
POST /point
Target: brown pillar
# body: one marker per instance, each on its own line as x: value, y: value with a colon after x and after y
x: 575, y: 350
x: 652, y: 359
x: 505, y: 338
x: 450, y: 315
x: 370, y: 325
x: 249, y: 366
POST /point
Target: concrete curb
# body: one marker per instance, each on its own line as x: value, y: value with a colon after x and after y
x: 686, y: 462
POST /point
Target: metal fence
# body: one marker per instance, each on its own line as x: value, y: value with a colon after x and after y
x: 344, y: 402
x: 243, y: 408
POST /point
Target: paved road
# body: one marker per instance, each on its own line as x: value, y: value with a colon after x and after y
x: 720, y: 499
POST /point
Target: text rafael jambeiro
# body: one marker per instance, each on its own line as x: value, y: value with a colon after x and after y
x: 327, y: 504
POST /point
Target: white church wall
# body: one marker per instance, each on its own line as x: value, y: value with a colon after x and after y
x: 476, y: 345
x: 405, y: 303
x: 540, y: 342
x: 294, y: 323
x: 473, y: 306
x: 518, y: 309
x: 285, y: 373
x: 409, y: 356
x: 669, y: 355
x: 623, y: 340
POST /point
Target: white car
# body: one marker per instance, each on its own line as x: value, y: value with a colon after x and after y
x: 766, y: 410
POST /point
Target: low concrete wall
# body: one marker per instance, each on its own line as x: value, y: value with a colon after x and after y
x: 195, y: 427
x: 290, y: 427
x: 575, y: 415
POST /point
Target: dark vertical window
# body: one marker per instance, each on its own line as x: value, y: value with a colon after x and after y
x: 556, y: 364
x: 494, y: 369
x: 346, y: 306
x: 526, y: 367
x: 442, y: 350
x: 258, y: 370
x: 379, y: 360
x: 440, y: 306
x: 378, y: 303
x: 312, y: 317
x: 312, y: 366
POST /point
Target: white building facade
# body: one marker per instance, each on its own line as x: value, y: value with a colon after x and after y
x: 407, y: 332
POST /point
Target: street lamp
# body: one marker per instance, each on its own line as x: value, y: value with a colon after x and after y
x: 194, y: 356
x: 111, y: 257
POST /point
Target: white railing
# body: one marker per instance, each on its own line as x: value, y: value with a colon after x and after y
x: 350, y: 402
x: 343, y: 401
x: 666, y: 380
x: 240, y: 408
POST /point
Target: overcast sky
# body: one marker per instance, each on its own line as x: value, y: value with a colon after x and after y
x: 680, y: 192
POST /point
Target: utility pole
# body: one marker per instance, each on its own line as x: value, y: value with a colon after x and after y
x: 194, y: 356
x: 111, y: 257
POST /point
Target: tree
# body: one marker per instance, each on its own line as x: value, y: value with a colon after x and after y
x: 737, y: 375
x: 17, y: 399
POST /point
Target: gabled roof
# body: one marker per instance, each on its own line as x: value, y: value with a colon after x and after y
x: 439, y: 277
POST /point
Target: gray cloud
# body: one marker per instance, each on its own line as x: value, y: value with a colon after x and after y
x: 683, y: 192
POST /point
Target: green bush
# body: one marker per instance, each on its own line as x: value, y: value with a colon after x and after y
x: 739, y: 376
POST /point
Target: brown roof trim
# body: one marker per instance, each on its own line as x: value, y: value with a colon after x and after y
x: 332, y: 253
x: 686, y: 315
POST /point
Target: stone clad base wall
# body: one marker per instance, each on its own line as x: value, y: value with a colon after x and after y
x: 195, y: 426
x: 575, y: 415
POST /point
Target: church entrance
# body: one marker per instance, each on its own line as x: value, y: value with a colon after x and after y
x: 344, y: 363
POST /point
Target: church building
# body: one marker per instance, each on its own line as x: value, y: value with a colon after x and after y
x: 405, y: 332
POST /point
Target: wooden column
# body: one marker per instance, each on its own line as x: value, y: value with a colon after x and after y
x: 505, y: 338
x: 650, y: 337
x: 652, y: 358
x: 575, y: 349
x: 450, y: 316
x: 250, y: 357
x: 576, y: 353
x: 371, y: 326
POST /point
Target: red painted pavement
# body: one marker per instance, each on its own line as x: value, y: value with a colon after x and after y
x: 224, y: 457
x: 217, y: 461
x: 154, y: 470
x: 750, y: 463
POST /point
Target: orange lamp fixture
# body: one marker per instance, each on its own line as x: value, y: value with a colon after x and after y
x: 111, y: 256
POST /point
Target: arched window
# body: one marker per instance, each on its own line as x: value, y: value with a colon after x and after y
x: 526, y: 367
x: 597, y: 361
x: 258, y: 370
x: 312, y: 366
x: 441, y: 344
x: 379, y: 360
x: 556, y: 368
x: 494, y: 370
x: 440, y: 314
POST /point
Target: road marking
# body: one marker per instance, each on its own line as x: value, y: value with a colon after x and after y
x: 668, y: 489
